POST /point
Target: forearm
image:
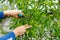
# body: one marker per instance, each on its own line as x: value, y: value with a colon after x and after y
x: 6, y: 13
x: 9, y: 36
x: 2, y: 15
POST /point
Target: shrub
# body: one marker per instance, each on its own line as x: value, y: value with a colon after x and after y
x: 42, y: 15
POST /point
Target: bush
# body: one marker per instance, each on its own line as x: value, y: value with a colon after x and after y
x: 42, y: 16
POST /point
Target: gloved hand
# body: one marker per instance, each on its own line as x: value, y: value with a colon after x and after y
x: 13, y: 13
x: 21, y: 30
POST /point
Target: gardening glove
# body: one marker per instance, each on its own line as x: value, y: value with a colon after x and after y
x: 13, y: 13
x: 21, y: 30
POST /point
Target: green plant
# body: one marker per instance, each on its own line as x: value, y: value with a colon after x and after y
x: 44, y: 25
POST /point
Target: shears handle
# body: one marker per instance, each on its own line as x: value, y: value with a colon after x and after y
x: 21, y: 15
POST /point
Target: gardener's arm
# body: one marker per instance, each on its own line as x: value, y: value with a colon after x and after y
x: 12, y: 13
x: 9, y: 36
x: 1, y: 15
x: 18, y: 31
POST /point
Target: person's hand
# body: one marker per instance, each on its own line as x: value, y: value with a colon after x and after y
x: 13, y: 13
x: 21, y: 30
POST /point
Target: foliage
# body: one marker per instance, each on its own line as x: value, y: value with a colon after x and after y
x: 42, y: 16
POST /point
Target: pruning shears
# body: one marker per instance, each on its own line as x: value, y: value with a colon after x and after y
x: 21, y: 15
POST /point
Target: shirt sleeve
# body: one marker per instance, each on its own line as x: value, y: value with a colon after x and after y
x: 9, y: 36
x: 1, y: 15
